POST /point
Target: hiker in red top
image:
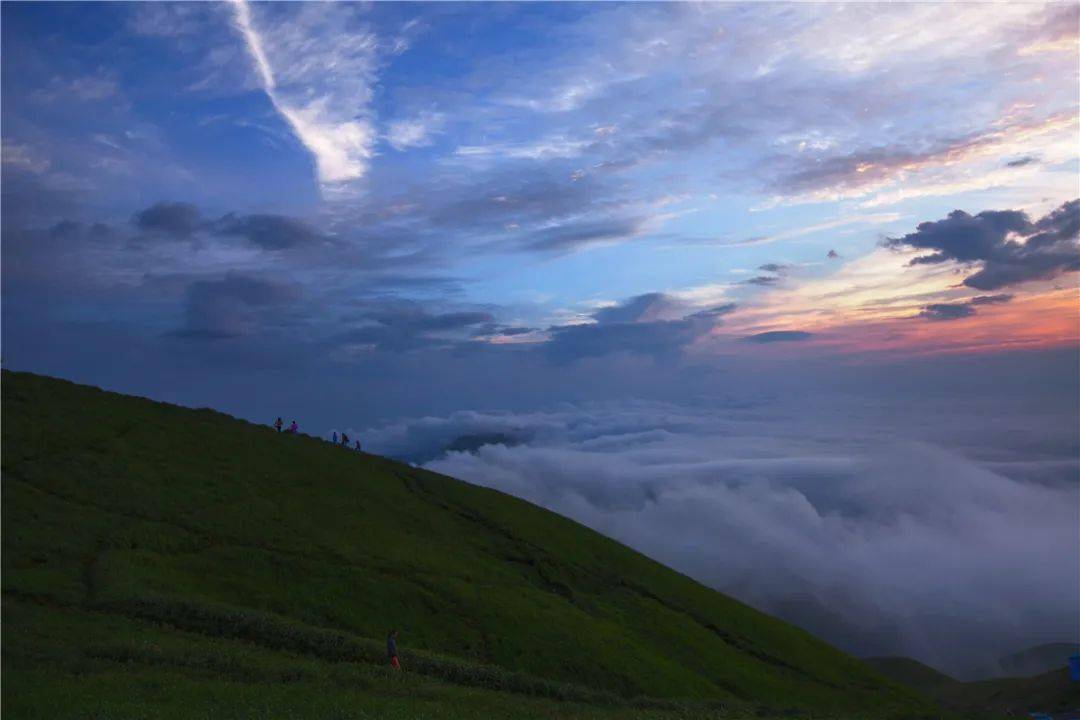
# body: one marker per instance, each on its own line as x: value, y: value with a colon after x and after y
x: 278, y: 424
x: 391, y: 649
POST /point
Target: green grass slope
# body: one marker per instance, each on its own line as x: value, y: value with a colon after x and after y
x: 164, y: 561
x: 911, y: 673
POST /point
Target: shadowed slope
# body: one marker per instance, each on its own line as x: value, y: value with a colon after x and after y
x: 117, y: 508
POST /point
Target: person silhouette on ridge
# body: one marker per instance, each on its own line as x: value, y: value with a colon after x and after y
x: 391, y: 649
x: 278, y: 424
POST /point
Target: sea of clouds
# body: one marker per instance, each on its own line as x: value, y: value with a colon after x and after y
x: 944, y: 531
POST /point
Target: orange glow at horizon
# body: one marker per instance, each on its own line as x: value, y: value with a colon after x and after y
x: 1040, y: 321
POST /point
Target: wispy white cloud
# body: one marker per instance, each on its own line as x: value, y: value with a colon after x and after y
x: 414, y: 132
x: 549, y: 148
x: 166, y: 19
x: 318, y: 75
x: 887, y: 175
x: 569, y: 96
x: 23, y: 157
x: 87, y: 88
x: 867, y: 219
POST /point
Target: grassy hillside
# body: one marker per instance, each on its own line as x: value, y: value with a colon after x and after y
x: 161, y: 561
x: 911, y: 673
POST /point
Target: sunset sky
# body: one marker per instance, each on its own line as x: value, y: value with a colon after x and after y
x: 359, y: 214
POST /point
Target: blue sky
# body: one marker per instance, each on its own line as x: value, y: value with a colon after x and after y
x: 344, y: 182
x: 826, y: 231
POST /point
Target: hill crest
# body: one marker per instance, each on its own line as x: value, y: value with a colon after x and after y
x: 139, y: 511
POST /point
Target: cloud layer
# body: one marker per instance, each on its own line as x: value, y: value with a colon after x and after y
x: 928, y: 550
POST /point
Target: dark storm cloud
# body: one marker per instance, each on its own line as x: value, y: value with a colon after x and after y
x: 1021, y: 162
x: 947, y: 311
x: 935, y: 259
x: 993, y: 238
x: 270, y: 232
x: 177, y: 219
x: 416, y: 319
x: 991, y: 299
x: 779, y: 336
x: 232, y: 306
x: 956, y: 311
x: 765, y: 280
x: 636, y: 326
x: 494, y: 329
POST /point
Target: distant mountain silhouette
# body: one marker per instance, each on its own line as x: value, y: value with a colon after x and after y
x: 1039, y: 659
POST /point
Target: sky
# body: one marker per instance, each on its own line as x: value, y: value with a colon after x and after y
x: 794, y: 282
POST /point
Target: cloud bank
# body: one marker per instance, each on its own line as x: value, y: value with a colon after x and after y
x: 845, y: 520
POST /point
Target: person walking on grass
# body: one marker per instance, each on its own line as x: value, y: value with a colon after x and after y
x: 344, y: 440
x: 335, y: 437
x: 391, y: 649
x: 357, y: 446
x: 293, y: 427
x: 278, y: 424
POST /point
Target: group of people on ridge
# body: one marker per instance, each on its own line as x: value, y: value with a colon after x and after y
x: 391, y: 649
x: 344, y: 440
x: 391, y: 638
x: 294, y: 428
